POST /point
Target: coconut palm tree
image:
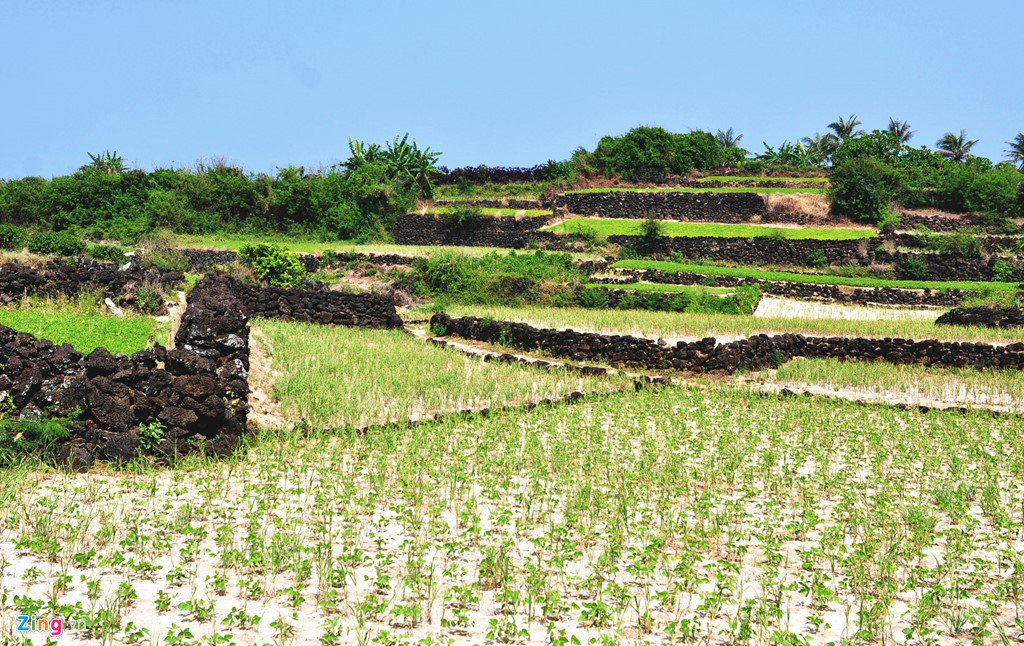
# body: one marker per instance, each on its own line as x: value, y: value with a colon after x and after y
x: 846, y: 128
x: 901, y: 130
x: 956, y: 147
x: 1015, y: 153
x: 821, y: 146
x: 728, y: 139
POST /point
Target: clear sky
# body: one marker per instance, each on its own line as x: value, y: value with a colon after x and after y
x: 268, y: 84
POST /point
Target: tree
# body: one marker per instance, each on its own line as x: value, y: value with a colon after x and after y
x: 399, y: 159
x: 1015, y: 152
x: 846, y: 128
x: 901, y: 130
x: 728, y: 139
x: 105, y: 162
x: 956, y: 147
x: 821, y: 146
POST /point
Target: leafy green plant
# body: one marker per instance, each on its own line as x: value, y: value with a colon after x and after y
x: 914, y: 267
x: 12, y: 236
x: 28, y: 437
x: 862, y: 189
x: 1002, y: 270
x: 55, y: 243
x: 108, y: 252
x: 817, y: 259
x: 462, y: 217
x: 272, y: 264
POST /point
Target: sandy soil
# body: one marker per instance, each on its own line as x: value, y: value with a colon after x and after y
x: 787, y: 308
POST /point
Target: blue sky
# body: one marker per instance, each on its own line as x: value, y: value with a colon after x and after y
x: 268, y: 84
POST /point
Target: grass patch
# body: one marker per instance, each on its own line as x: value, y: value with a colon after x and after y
x: 341, y: 377
x: 493, y: 212
x: 699, y: 325
x: 710, y: 189
x: 951, y: 385
x: 86, y: 332
x: 628, y: 227
x: 235, y: 241
x: 761, y: 178
x: 817, y: 279
x: 664, y: 287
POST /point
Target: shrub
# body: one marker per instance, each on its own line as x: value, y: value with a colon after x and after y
x: 55, y: 243
x: 12, y: 236
x: 108, y: 252
x: 650, y: 234
x: 652, y: 154
x: 913, y: 267
x: 960, y: 243
x: 463, y: 217
x: 149, y: 299
x: 30, y: 438
x: 817, y: 259
x: 151, y: 435
x: 862, y: 188
x: 273, y: 265
x: 889, y: 221
x: 1002, y: 271
x: 594, y: 298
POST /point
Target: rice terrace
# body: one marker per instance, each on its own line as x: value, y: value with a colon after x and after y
x: 673, y: 386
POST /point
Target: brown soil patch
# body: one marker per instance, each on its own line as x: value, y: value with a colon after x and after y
x: 263, y: 410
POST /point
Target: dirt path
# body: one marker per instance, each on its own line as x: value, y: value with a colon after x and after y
x: 263, y: 410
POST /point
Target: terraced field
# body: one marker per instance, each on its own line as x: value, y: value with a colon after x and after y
x: 672, y: 229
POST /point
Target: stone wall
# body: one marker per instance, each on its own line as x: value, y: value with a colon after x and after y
x: 810, y: 291
x: 317, y: 306
x: 711, y: 207
x: 985, y: 316
x: 198, y: 391
x: 755, y: 353
x: 760, y: 251
x: 511, y: 232
x: 71, y: 278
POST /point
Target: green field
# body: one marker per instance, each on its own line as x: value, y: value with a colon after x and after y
x: 710, y: 189
x: 761, y: 178
x: 817, y: 279
x: 441, y: 210
x: 956, y: 385
x: 664, y: 287
x: 86, y: 332
x: 700, y: 325
x: 672, y: 229
x: 235, y: 241
x: 339, y: 377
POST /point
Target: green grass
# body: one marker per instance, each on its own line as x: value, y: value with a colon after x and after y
x: 817, y: 279
x: 86, y: 332
x: 235, y: 241
x: 761, y: 178
x: 664, y: 287
x: 608, y: 227
x: 699, y: 325
x: 523, y: 191
x: 341, y: 377
x: 949, y: 385
x: 710, y: 189
x: 440, y: 210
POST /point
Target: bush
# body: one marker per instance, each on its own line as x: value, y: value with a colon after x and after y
x: 889, y: 222
x: 149, y: 299
x: 12, y: 236
x: 913, y: 267
x: 651, y: 154
x: 273, y: 265
x: 108, y: 252
x: 594, y: 298
x: 650, y: 235
x: 462, y: 217
x: 817, y: 259
x: 30, y: 438
x: 862, y: 189
x: 1002, y: 271
x: 961, y: 243
x: 55, y: 243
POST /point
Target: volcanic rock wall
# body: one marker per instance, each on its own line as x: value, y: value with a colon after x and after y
x: 317, y: 306
x: 515, y: 233
x: 63, y: 278
x: 754, y: 353
x: 711, y: 207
